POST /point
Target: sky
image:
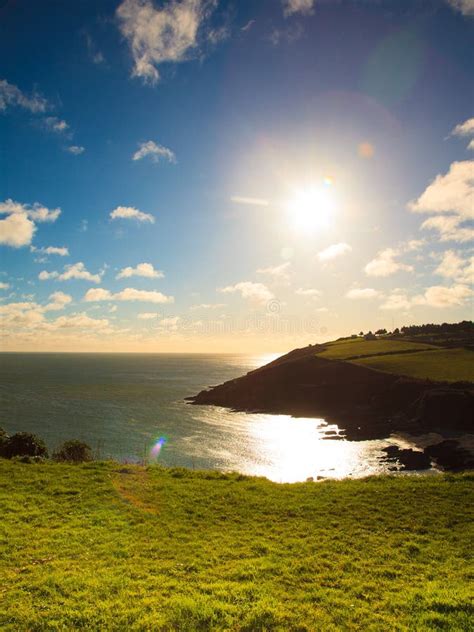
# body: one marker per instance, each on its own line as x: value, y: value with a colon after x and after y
x: 245, y: 176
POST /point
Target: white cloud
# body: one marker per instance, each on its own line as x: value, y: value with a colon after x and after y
x: 366, y: 292
x: 466, y: 128
x: 453, y: 266
x: 36, y: 212
x: 384, y: 264
x: 308, y: 292
x: 451, y: 192
x: 129, y: 212
x: 298, y: 6
x: 11, y: 95
x: 142, y: 269
x: 279, y: 273
x: 155, y: 151
x: 449, y: 227
x: 54, y: 124
x: 16, y: 230
x: 250, y: 201
x: 129, y: 294
x: 441, y: 296
x: 466, y: 7
x: 76, y: 150
x: 336, y: 250
x: 396, y: 300
x: 73, y: 271
x: 51, y: 250
x: 471, y: 145
x: 59, y: 300
x: 80, y: 321
x: 148, y: 315
x: 413, y: 244
x: 98, y: 294
x: 208, y: 306
x: 170, y: 323
x: 168, y: 34
x: 4, y: 286
x: 256, y: 292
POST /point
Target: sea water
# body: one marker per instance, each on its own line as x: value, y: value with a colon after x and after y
x: 131, y: 407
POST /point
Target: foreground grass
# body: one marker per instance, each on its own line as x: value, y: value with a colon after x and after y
x: 104, y: 546
x: 448, y: 365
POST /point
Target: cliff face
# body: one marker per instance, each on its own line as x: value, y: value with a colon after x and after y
x: 367, y: 404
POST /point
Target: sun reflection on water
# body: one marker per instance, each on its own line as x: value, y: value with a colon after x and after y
x: 283, y: 448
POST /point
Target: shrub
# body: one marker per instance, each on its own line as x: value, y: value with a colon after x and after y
x: 3, y: 436
x: 73, y: 451
x: 23, y: 444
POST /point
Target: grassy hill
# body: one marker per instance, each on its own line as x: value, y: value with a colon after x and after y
x: 405, y: 357
x: 107, y: 546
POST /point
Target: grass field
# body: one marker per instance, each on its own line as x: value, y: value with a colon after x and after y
x: 111, y: 547
x: 449, y: 365
x: 341, y: 350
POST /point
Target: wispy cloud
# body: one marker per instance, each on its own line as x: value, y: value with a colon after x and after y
x: 309, y: 292
x: 54, y: 124
x: 142, y: 270
x: 76, y: 150
x: 251, y: 201
x: 305, y: 7
x: 12, y: 96
x: 51, y: 250
x: 169, y: 33
x: 363, y: 293
x: 95, y: 55
x: 154, y: 151
x: 278, y: 274
x: 207, y: 306
x: 255, y: 292
x: 128, y: 294
x: 147, y: 315
x: 397, y: 300
x: 336, y: 250
x: 129, y: 212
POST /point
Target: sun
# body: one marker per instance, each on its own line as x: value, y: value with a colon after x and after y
x: 312, y: 208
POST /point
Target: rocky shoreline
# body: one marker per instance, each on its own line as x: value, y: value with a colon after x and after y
x: 364, y: 403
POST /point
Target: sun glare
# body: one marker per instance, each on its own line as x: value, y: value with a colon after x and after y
x: 312, y: 209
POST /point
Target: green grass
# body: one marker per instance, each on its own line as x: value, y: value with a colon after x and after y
x: 110, y: 547
x: 350, y: 348
x: 450, y: 365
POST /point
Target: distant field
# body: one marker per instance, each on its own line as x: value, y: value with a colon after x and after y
x: 113, y: 547
x: 450, y: 365
x: 350, y: 348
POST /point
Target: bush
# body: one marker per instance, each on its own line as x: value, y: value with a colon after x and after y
x: 23, y: 444
x: 3, y: 436
x: 73, y: 451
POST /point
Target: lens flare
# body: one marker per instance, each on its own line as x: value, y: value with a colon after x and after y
x: 157, y: 446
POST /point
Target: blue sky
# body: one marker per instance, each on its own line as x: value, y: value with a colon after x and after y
x: 232, y: 176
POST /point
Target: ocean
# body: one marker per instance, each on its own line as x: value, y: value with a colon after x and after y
x: 131, y: 407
